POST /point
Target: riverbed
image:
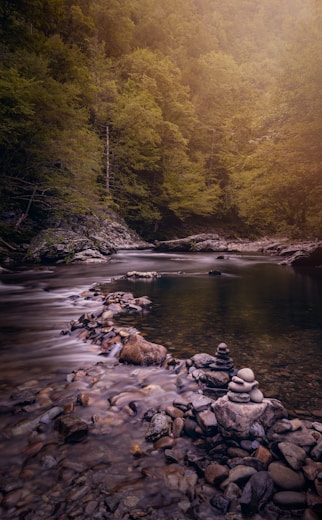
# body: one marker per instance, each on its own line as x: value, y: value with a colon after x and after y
x: 268, y: 314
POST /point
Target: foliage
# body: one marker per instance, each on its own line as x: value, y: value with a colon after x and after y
x: 212, y: 109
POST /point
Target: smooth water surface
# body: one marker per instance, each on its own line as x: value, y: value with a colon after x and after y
x: 269, y: 315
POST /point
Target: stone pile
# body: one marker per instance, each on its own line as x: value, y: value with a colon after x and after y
x: 223, y: 361
x: 214, y: 372
x: 243, y: 387
x: 126, y: 344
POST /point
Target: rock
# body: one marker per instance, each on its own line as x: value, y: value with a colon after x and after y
x: 215, y: 378
x: 160, y: 426
x: 316, y: 452
x: 256, y: 493
x: 237, y: 419
x: 309, y: 256
x: 141, y: 352
x: 220, y: 503
x: 71, y: 428
x: 203, y: 360
x: 246, y: 374
x: 207, y: 421
x: 285, y: 477
x: 263, y: 454
x: 238, y: 475
x: 200, y: 402
x: 141, y: 274
x: 290, y: 500
x: 216, y: 473
x: 294, y: 455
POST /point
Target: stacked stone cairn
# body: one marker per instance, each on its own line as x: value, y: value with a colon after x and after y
x: 223, y: 361
x: 243, y: 388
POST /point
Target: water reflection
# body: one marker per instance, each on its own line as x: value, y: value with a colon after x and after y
x: 269, y: 315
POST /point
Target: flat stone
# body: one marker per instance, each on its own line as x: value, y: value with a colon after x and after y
x: 285, y: 477
x: 200, y: 402
x: 246, y: 374
x: 236, y: 397
x: 290, y: 500
x: 294, y: 455
x: 238, y: 475
x: 215, y: 379
x: 240, y: 387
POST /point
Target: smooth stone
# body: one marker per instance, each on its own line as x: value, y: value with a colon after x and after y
x: 246, y: 374
x: 294, y: 455
x: 238, y: 475
x: 290, y: 499
x: 240, y: 387
x: 285, y: 477
x: 256, y: 395
x: 238, y: 397
x: 141, y: 352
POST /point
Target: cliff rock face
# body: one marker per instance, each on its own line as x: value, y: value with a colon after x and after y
x: 83, y: 239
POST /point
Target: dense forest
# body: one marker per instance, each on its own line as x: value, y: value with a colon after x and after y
x: 163, y: 110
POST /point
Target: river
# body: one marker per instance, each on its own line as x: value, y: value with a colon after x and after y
x: 269, y: 315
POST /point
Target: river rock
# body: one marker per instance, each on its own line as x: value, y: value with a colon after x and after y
x: 72, y: 428
x: 214, y: 378
x: 316, y: 452
x: 216, y: 473
x: 207, y: 422
x: 285, y: 477
x: 294, y: 455
x: 290, y: 500
x: 238, y: 475
x: 202, y: 360
x: 237, y: 419
x: 223, y: 361
x: 257, y: 492
x: 160, y: 426
x: 139, y: 351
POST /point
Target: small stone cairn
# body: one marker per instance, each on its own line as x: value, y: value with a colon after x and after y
x: 243, y: 388
x: 223, y: 361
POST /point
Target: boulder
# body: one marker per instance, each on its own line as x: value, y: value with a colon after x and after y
x: 239, y: 419
x: 139, y: 351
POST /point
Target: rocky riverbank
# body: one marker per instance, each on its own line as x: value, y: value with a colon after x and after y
x: 144, y: 435
x: 297, y: 254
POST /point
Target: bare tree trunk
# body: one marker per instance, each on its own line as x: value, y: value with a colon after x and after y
x: 25, y: 215
x: 107, y: 178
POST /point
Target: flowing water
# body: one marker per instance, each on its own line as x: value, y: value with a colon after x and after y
x: 269, y: 315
